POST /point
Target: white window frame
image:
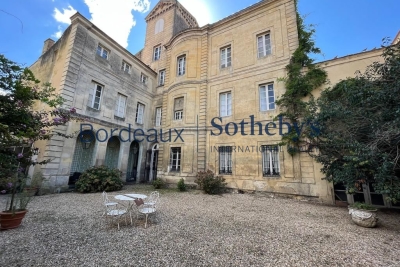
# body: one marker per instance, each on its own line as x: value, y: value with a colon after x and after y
x: 264, y: 45
x: 225, y: 57
x: 139, y: 113
x: 178, y: 115
x: 270, y: 160
x: 126, y: 66
x: 120, y: 106
x: 102, y: 51
x: 225, y: 104
x: 143, y: 78
x: 181, y: 65
x: 157, y: 53
x: 175, y: 157
x: 158, y: 116
x: 95, y: 96
x: 225, y: 160
x: 267, y: 97
x: 161, y: 77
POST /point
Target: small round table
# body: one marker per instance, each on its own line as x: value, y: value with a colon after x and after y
x: 130, y: 197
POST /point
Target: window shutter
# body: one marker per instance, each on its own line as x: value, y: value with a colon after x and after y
x: 229, y: 104
x: 90, y: 101
x: 263, y: 98
x: 260, y: 46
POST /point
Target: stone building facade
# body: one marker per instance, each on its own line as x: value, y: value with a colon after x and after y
x: 213, y: 87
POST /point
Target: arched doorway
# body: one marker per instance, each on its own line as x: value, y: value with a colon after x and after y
x: 153, y: 162
x: 133, y: 160
x: 112, y: 153
x: 83, y: 153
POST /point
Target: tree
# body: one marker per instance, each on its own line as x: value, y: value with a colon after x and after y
x: 303, y: 76
x: 21, y: 125
x: 359, y: 128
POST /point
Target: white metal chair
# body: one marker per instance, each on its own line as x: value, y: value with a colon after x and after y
x: 112, y: 211
x: 144, y: 209
x: 152, y: 199
x: 107, y: 202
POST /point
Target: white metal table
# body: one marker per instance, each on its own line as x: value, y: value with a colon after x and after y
x: 131, y: 198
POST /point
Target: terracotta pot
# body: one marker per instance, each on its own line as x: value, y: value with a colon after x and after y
x: 10, y: 220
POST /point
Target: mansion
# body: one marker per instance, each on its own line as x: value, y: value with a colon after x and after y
x: 193, y: 99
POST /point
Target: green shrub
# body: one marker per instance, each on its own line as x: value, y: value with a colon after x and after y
x: 209, y: 183
x: 158, y: 183
x: 181, y: 185
x: 99, y: 179
x: 362, y: 206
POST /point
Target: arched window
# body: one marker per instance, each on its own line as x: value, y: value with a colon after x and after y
x: 159, y: 26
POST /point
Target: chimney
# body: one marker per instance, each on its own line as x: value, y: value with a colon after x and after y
x: 47, y: 44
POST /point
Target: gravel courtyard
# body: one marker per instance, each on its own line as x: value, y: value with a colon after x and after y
x: 194, y: 229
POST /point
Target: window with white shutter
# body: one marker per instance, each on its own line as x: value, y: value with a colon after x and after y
x: 225, y: 104
x: 120, y: 106
x: 264, y: 45
x: 267, y: 97
x: 139, y: 113
x: 95, y: 94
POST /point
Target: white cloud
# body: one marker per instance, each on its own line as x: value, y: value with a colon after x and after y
x: 58, y: 33
x: 64, y: 15
x: 115, y: 17
x: 199, y: 9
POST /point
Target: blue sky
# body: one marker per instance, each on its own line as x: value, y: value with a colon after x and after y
x: 342, y: 26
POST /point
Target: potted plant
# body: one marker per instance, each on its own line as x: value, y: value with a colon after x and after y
x: 363, y: 214
x: 17, y: 203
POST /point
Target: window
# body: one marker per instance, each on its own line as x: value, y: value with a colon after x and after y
x: 103, y: 52
x: 126, y: 67
x: 143, y: 78
x: 161, y: 77
x: 178, y: 108
x: 178, y: 115
x: 270, y: 160
x: 159, y: 26
x: 95, y: 96
x: 120, y: 106
x: 139, y: 113
x: 226, y: 57
x: 225, y: 159
x: 158, y: 116
x: 267, y: 97
x: 175, y: 159
x: 157, y: 52
x: 264, y: 45
x: 181, y: 65
x: 225, y: 104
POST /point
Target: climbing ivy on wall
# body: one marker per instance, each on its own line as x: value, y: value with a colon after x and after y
x: 303, y: 76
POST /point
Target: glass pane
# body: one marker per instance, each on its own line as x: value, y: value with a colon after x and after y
x: 359, y: 197
x: 105, y: 53
x: 377, y: 199
x: 340, y: 195
x: 339, y: 186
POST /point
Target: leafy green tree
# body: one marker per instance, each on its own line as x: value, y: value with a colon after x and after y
x: 359, y: 128
x: 21, y: 125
